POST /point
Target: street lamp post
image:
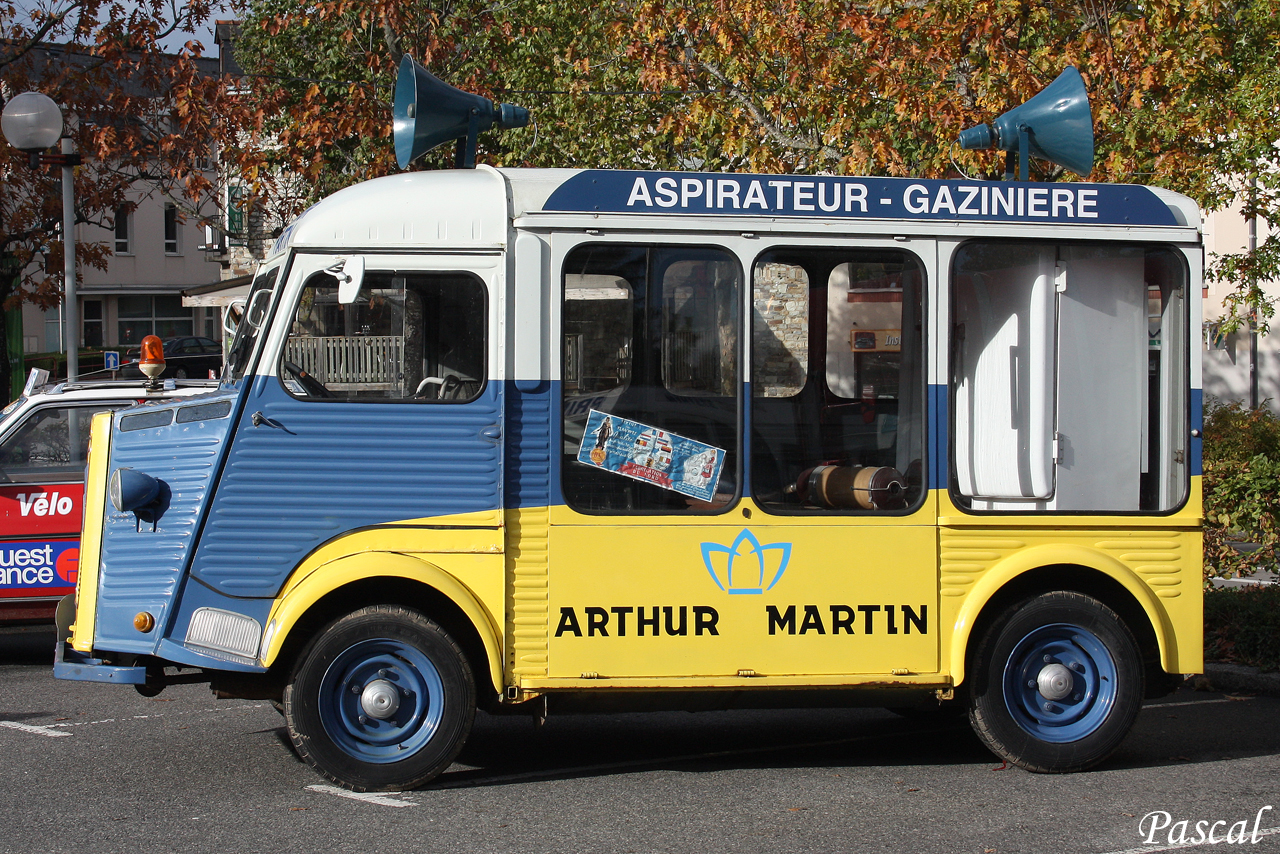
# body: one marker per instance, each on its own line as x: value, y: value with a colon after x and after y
x: 32, y: 122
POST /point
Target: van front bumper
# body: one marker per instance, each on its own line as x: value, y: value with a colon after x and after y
x: 76, y: 666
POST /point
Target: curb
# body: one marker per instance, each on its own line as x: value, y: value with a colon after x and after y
x: 1232, y: 678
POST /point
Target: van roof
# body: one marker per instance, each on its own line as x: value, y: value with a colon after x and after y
x: 472, y: 209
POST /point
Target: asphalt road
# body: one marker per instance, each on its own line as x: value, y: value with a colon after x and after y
x: 96, y: 768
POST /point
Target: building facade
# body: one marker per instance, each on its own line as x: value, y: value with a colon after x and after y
x: 156, y: 253
x: 1238, y: 367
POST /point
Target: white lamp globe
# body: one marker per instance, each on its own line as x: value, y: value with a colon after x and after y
x: 32, y: 122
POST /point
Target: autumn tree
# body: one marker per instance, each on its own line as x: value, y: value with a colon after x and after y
x: 141, y: 118
x: 1183, y: 92
x: 321, y: 80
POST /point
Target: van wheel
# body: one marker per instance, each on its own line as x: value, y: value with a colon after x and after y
x: 383, y: 700
x: 1058, y: 682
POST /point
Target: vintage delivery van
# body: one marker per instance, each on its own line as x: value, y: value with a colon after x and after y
x: 562, y: 439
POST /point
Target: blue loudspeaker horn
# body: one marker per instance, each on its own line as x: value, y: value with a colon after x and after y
x: 429, y: 112
x: 1055, y: 125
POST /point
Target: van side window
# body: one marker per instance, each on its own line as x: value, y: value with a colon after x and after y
x: 837, y: 410
x: 1036, y: 329
x: 407, y: 337
x: 650, y: 377
x: 253, y: 316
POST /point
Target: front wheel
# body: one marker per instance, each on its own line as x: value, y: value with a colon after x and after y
x: 382, y: 701
x: 1057, y: 683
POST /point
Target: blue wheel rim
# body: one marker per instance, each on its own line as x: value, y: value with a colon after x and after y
x: 366, y: 737
x: 1092, y: 675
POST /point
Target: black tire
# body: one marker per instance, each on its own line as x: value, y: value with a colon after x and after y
x: 1082, y: 654
x: 411, y: 718
x: 180, y: 374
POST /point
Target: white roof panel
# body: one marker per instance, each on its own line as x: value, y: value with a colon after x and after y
x: 458, y: 209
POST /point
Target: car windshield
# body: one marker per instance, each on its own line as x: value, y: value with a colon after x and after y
x: 251, y: 324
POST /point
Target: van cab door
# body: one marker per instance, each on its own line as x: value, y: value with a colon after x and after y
x: 374, y: 408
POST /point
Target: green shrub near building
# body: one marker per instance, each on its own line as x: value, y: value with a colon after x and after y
x: 1241, y: 490
x: 1241, y: 504
x: 1242, y: 625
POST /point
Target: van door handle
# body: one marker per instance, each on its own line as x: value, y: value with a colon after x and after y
x: 259, y: 419
x: 493, y: 433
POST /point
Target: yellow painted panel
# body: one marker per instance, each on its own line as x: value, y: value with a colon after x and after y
x: 443, y: 535
x: 1177, y: 619
x: 95, y: 497
x: 694, y: 600
x: 480, y: 518
x: 472, y: 581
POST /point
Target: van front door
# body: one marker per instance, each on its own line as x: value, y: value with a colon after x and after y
x: 372, y: 408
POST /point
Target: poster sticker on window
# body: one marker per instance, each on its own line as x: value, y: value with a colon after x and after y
x: 642, y: 452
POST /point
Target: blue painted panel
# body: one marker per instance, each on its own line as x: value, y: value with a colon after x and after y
x: 1197, y: 423
x: 939, y: 436
x: 596, y: 191
x: 140, y: 567
x: 529, y: 463
x: 332, y: 466
x: 193, y: 596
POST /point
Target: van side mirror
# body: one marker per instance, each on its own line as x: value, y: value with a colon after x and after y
x: 231, y: 317
x: 350, y: 275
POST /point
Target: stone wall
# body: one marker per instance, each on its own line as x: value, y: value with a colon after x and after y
x: 780, y: 357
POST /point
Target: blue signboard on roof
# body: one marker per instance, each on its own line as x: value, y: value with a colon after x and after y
x: 832, y: 197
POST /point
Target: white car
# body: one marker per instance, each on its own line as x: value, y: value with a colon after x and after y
x: 44, y: 438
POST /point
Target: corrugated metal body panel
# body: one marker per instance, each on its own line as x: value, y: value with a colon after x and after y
x: 141, y: 567
x: 327, y: 467
x: 528, y: 621
x: 528, y: 442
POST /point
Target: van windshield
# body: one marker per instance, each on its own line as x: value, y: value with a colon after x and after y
x: 251, y: 324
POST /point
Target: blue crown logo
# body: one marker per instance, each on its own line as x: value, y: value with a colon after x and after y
x: 744, y: 566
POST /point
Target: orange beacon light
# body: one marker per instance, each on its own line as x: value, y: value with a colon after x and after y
x: 151, y: 358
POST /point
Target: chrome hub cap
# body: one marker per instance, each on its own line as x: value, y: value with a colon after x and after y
x: 1054, y: 682
x: 381, y: 700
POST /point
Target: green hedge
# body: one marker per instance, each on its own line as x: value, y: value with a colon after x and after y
x: 1241, y: 490
x: 1242, y: 625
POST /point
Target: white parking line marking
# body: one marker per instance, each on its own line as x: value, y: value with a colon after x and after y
x: 1270, y: 831
x: 161, y: 715
x: 367, y: 797
x: 38, y: 730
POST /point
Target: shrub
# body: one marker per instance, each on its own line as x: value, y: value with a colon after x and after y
x: 1242, y: 625
x: 1241, y: 489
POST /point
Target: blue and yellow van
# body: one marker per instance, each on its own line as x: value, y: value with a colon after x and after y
x: 550, y: 439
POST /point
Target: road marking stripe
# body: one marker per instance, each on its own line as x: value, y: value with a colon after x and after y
x: 383, y: 799
x: 38, y: 730
x: 162, y: 715
x: 1270, y: 831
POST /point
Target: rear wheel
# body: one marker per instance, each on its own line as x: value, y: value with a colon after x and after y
x: 382, y: 701
x: 1057, y: 683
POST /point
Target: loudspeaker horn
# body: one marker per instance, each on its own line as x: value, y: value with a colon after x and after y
x: 1056, y: 125
x: 429, y: 112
